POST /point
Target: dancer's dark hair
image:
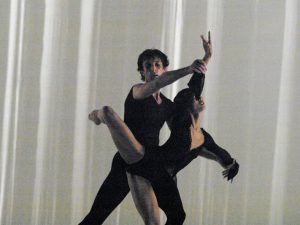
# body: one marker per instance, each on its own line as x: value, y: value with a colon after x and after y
x: 151, y: 54
x: 184, y: 100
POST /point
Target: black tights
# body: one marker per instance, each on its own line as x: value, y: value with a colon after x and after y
x: 168, y: 199
x: 111, y: 193
x: 115, y: 188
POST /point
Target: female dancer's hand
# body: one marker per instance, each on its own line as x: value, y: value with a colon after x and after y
x: 207, y: 48
x: 231, y: 171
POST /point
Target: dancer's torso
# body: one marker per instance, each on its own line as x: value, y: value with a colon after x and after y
x: 145, y: 117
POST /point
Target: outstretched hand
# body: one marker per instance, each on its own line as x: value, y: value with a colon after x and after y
x: 232, y: 171
x: 207, y: 45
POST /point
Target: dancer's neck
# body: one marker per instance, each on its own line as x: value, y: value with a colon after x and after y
x: 156, y: 96
x: 197, y: 120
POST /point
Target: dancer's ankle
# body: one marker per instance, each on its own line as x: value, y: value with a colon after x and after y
x: 93, y: 117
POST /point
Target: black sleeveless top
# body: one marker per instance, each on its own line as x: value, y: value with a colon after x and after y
x: 177, y: 154
x: 145, y: 117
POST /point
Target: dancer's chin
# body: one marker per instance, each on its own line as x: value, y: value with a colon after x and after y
x: 153, y: 77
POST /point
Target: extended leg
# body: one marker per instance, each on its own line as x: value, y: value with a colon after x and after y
x: 129, y: 148
x: 131, y: 151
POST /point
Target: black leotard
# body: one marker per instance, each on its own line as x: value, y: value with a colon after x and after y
x: 175, y: 154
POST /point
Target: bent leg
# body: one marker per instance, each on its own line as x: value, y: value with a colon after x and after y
x: 144, y: 199
x: 111, y: 193
x: 129, y: 148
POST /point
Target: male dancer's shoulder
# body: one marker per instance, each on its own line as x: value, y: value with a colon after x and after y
x: 130, y: 94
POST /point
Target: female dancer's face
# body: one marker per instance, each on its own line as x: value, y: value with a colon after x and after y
x: 199, y: 105
x: 153, y: 68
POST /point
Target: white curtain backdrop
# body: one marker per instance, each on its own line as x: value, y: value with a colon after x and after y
x: 59, y: 59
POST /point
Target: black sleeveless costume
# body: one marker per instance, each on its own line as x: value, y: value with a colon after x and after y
x: 145, y: 118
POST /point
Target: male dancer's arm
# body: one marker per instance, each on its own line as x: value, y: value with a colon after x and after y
x: 141, y: 91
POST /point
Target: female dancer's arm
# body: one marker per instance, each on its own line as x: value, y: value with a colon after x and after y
x: 215, y: 152
x: 141, y: 91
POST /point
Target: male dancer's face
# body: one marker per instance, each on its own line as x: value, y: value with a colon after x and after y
x: 153, y: 68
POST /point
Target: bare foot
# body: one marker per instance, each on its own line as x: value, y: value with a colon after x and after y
x: 93, y: 117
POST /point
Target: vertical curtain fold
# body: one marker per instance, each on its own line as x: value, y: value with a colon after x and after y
x: 281, y: 151
x: 84, y: 70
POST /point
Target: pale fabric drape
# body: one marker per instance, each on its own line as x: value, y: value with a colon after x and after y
x: 60, y: 59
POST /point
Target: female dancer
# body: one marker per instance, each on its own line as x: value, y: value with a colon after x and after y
x: 157, y: 165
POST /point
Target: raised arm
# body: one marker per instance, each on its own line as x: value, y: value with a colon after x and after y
x: 207, y: 46
x: 196, y: 84
x: 141, y: 91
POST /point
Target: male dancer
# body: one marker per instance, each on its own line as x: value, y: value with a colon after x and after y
x: 146, y: 110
